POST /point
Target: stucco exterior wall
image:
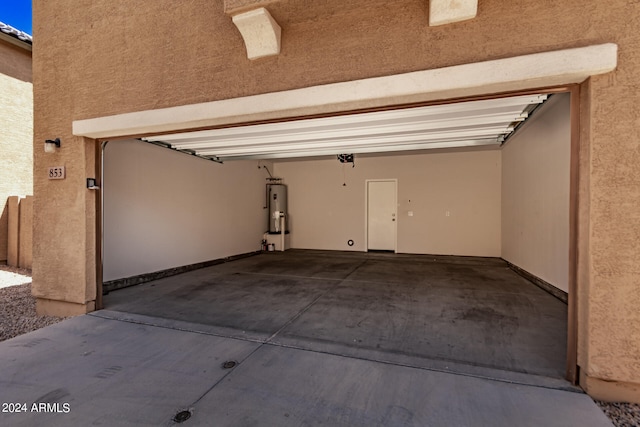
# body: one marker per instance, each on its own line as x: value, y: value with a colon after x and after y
x: 20, y: 231
x: 16, y: 131
x: 535, y: 193
x: 25, y: 236
x: 106, y: 57
x: 13, y: 230
x: 325, y: 214
x: 16, y: 61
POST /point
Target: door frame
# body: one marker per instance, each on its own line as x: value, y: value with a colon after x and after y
x: 366, y: 212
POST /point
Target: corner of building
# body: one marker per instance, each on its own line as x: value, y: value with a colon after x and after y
x: 47, y: 307
x: 610, y: 391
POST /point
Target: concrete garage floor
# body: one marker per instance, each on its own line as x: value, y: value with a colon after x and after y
x: 460, y: 314
x: 319, y: 338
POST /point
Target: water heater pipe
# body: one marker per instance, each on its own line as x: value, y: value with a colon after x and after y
x: 282, y: 223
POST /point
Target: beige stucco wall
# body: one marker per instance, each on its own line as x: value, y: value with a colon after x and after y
x: 16, y: 131
x: 25, y: 236
x: 16, y: 60
x: 164, y: 209
x: 325, y: 214
x: 107, y: 57
x: 13, y: 230
x: 535, y: 194
x: 19, y: 231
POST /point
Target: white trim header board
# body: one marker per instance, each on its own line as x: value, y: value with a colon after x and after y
x: 524, y: 72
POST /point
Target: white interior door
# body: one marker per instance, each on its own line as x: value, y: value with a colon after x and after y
x: 381, y: 215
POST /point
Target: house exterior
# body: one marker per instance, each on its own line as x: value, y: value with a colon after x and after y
x: 16, y: 134
x: 109, y: 71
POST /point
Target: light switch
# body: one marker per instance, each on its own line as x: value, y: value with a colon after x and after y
x: 410, y: 213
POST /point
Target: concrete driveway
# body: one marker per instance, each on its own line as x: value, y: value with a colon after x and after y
x: 158, y: 357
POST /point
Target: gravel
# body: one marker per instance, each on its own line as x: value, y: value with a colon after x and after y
x: 17, y: 305
x: 621, y: 414
x: 18, y: 316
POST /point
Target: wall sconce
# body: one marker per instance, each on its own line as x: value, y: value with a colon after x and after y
x: 50, y: 145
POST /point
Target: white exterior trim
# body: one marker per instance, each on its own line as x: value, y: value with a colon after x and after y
x: 261, y: 33
x: 502, y: 75
x: 448, y: 11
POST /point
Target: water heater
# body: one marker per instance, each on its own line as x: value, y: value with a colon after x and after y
x: 277, y: 196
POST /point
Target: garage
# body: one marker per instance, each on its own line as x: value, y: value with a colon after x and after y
x: 435, y: 235
x: 168, y: 72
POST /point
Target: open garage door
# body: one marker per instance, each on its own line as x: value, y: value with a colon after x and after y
x: 466, y: 124
x: 166, y: 212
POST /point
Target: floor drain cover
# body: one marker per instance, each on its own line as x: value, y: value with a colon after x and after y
x: 229, y: 364
x: 182, y: 416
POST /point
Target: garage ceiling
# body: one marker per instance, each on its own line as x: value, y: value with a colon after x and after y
x: 463, y: 124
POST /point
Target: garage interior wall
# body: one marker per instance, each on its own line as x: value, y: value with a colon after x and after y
x: 164, y: 209
x: 535, y: 194
x: 325, y: 214
x: 511, y: 203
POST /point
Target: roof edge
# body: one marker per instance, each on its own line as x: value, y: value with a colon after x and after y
x: 16, y: 37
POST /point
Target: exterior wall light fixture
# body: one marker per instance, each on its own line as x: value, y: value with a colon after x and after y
x: 50, y: 145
